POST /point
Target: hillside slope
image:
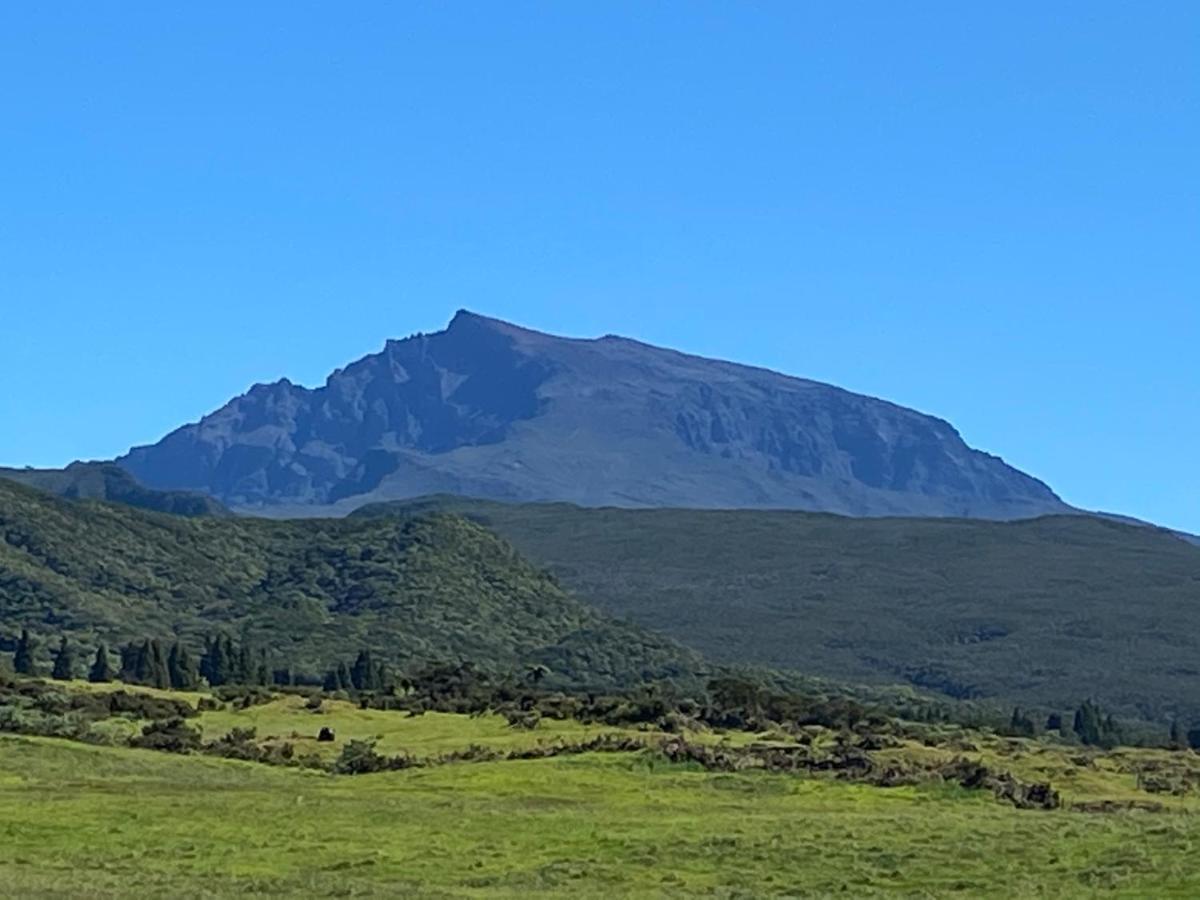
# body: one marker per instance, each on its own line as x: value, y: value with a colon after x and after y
x: 107, y: 481
x: 488, y: 409
x: 1043, y: 612
x: 427, y: 589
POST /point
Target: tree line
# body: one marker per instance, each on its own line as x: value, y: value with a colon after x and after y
x: 155, y: 663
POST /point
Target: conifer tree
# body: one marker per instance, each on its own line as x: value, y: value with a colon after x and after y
x: 158, y: 674
x: 64, y: 662
x: 129, y: 662
x: 1087, y: 723
x: 244, y: 670
x: 331, y: 680
x: 262, y: 672
x: 343, y: 677
x: 216, y: 664
x: 180, y: 671
x: 363, y: 675
x: 1176, y: 735
x: 142, y: 663
x: 383, y: 678
x: 23, y: 663
x: 101, y: 670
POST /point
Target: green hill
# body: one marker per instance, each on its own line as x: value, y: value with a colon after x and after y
x: 108, y: 481
x: 1044, y: 611
x: 310, y: 592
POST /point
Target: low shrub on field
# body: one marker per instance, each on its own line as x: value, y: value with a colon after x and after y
x: 169, y: 735
x: 360, y: 758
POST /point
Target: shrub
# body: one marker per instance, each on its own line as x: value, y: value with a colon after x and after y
x: 169, y: 735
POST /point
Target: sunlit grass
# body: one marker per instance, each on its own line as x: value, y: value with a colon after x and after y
x: 92, y: 821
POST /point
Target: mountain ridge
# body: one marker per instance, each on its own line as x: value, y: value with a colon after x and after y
x: 109, y: 482
x: 487, y: 408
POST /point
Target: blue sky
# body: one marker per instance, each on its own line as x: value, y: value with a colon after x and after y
x: 990, y: 212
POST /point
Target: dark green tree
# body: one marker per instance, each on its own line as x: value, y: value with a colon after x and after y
x: 181, y: 671
x: 101, y: 670
x: 363, y: 675
x: 1193, y: 738
x: 262, y: 670
x: 64, y: 662
x: 1021, y: 724
x: 23, y: 662
x: 216, y: 665
x: 331, y: 680
x: 383, y: 679
x: 1087, y: 723
x: 1096, y: 728
x: 159, y: 675
x: 130, y: 656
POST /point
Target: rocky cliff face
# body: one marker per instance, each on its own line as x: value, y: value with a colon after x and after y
x: 489, y: 409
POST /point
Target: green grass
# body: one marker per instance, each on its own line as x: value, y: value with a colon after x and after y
x: 91, y: 821
x: 427, y: 735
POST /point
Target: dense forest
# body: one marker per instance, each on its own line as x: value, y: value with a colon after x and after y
x: 1034, y: 613
x: 308, y: 593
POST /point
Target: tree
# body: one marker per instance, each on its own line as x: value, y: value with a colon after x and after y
x: 363, y: 675
x: 262, y: 671
x: 243, y: 671
x: 331, y: 680
x: 181, y: 672
x: 216, y: 665
x: 129, y: 663
x: 145, y: 663
x: 1087, y: 723
x: 1175, y: 738
x: 1094, y: 727
x: 535, y: 673
x: 158, y: 674
x: 1193, y: 738
x: 101, y: 670
x: 1054, y: 722
x: 64, y: 662
x: 23, y: 663
x: 1021, y: 724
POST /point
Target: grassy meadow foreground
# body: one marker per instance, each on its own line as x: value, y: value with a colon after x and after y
x: 85, y: 819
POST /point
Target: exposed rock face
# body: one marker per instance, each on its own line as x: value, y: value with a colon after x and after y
x: 489, y: 409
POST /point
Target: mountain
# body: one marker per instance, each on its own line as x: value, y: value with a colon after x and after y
x: 434, y: 588
x: 1041, y: 612
x: 108, y: 481
x: 488, y: 409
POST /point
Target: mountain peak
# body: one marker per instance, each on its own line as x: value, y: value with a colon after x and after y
x: 491, y: 409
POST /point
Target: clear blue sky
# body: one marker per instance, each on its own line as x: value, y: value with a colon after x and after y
x: 990, y: 212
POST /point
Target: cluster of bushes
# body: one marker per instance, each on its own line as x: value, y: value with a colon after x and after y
x: 37, y: 707
x: 730, y: 702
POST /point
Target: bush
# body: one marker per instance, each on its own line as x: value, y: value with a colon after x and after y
x: 169, y: 735
x: 360, y: 758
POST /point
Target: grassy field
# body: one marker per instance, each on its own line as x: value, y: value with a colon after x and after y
x: 87, y: 821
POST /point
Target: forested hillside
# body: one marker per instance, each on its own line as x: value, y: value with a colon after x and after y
x: 310, y: 593
x: 1044, y: 612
